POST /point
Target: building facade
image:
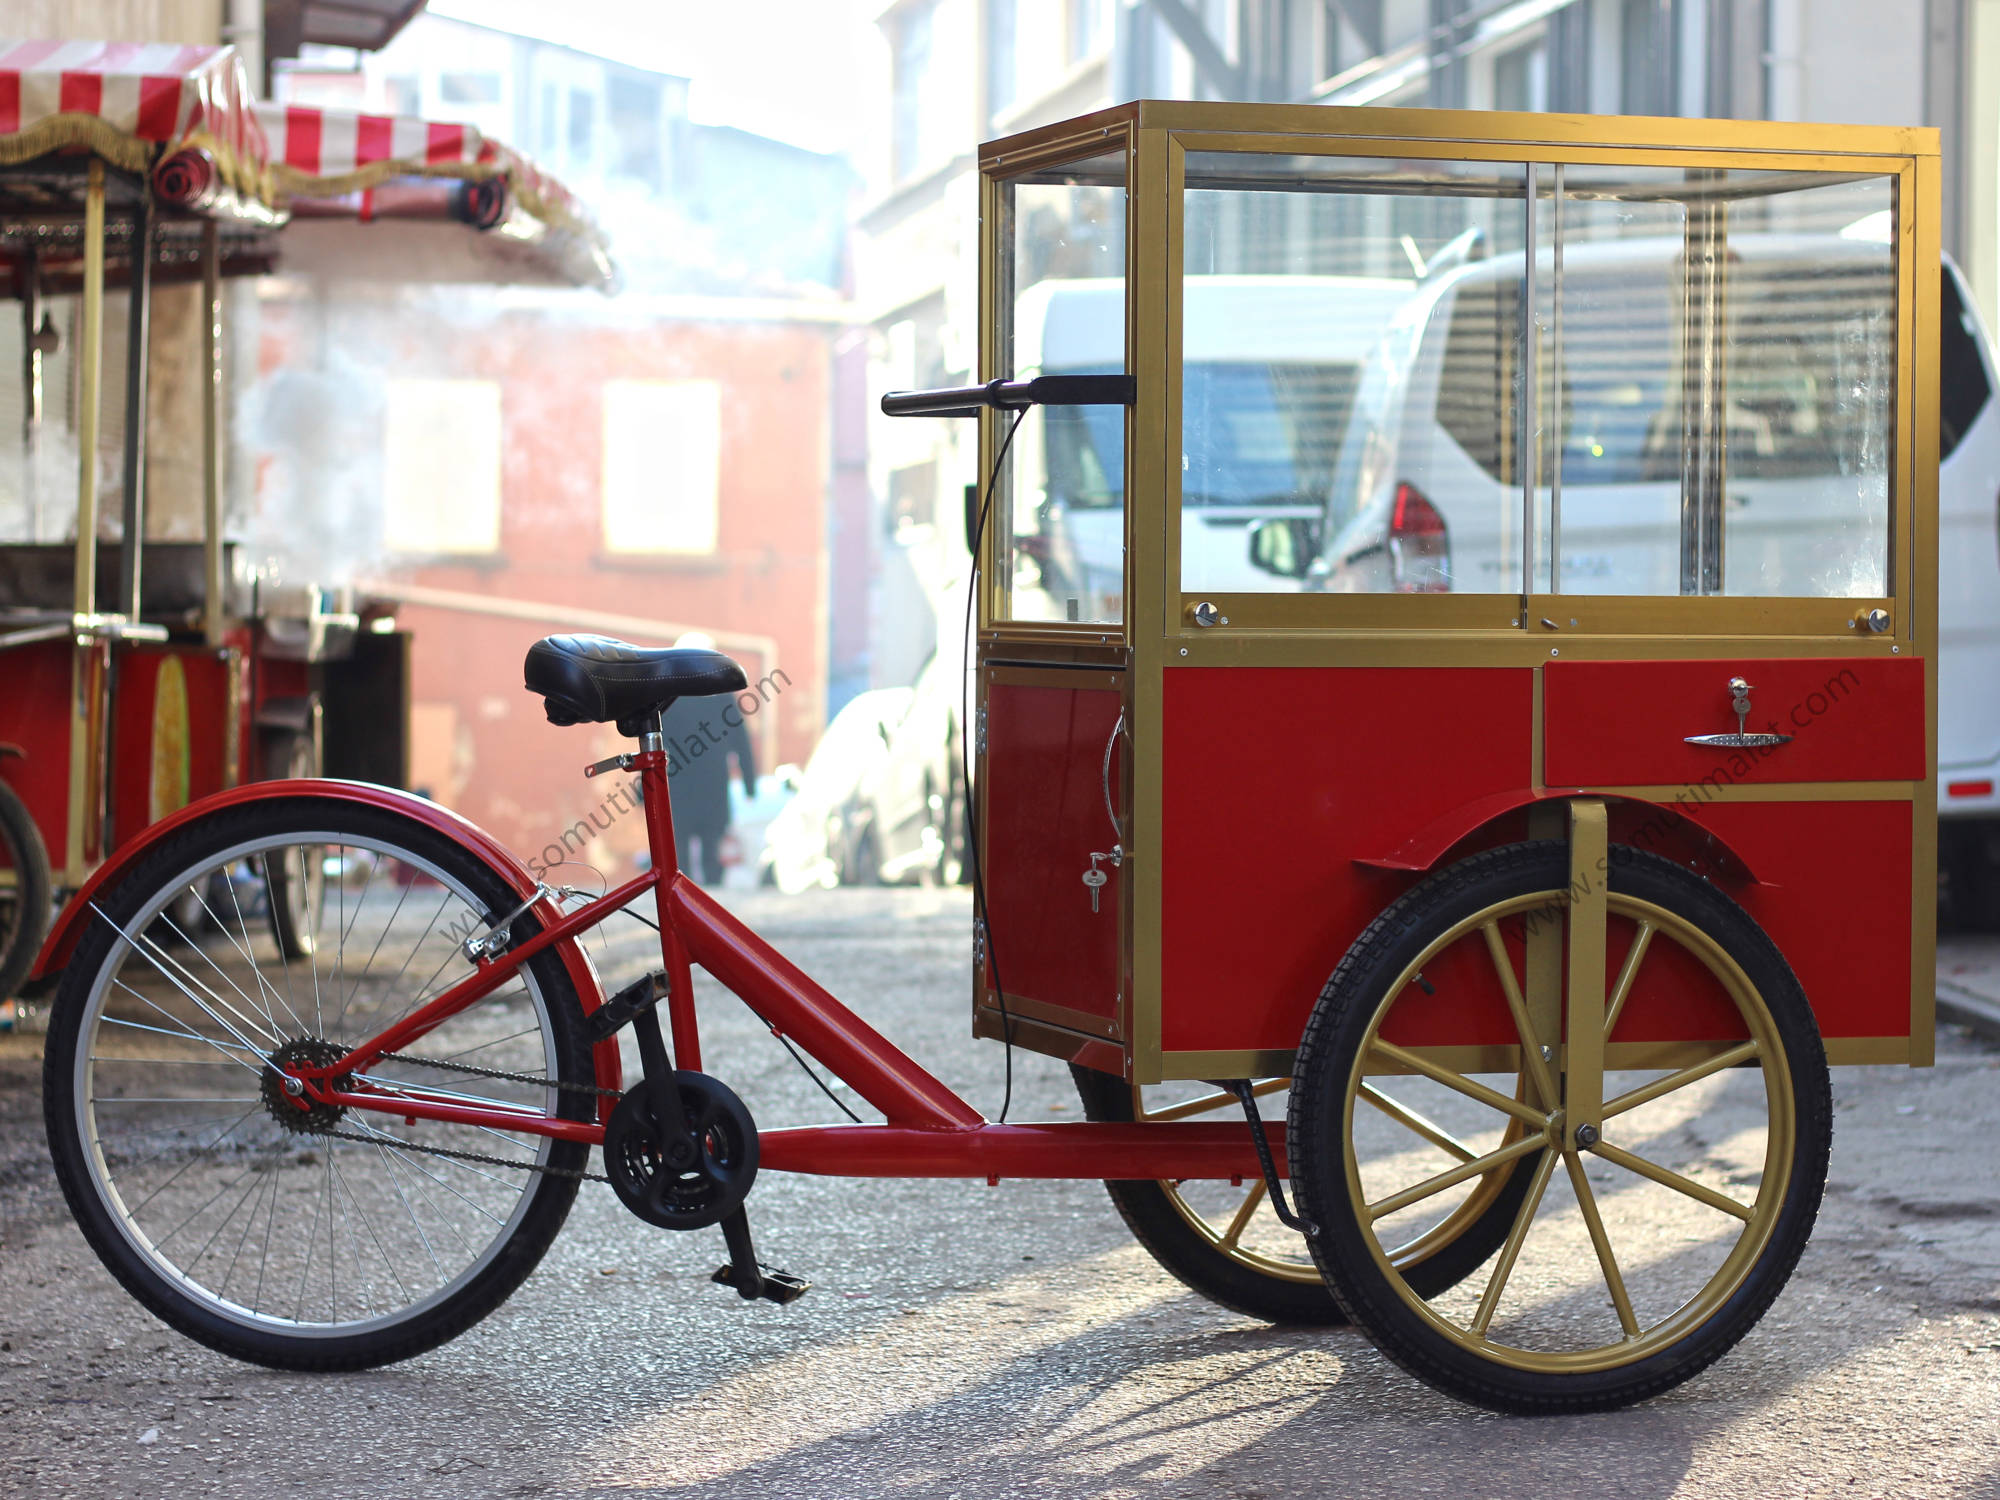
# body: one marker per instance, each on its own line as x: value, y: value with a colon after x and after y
x: 963, y: 71
x: 519, y: 461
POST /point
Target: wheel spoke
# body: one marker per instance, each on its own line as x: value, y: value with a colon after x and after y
x: 1436, y: 1134
x: 1531, y: 1048
x: 1516, y: 1237
x: 1477, y: 1167
x: 1586, y: 1200
x: 1627, y: 972
x: 1666, y: 1177
x: 1241, y: 1220
x: 1647, y: 1093
x: 1404, y: 1058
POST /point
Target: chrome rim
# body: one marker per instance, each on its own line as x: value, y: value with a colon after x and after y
x: 266, y: 1224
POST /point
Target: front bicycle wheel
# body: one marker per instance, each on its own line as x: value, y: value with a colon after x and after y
x: 327, y: 1238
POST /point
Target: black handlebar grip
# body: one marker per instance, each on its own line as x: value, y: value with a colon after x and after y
x: 1012, y: 395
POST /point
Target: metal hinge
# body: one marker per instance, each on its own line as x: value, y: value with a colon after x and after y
x: 979, y: 732
x: 978, y: 945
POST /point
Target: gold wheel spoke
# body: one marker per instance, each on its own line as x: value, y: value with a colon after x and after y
x: 1666, y: 1177
x: 1587, y: 1201
x: 1242, y: 1219
x: 1511, y: 1251
x: 1208, y: 1102
x: 1627, y: 972
x: 1531, y: 1049
x: 1436, y: 1134
x: 1409, y: 1061
x: 1648, y: 1092
x: 1477, y: 1167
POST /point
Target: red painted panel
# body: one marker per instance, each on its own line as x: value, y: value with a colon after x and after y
x: 157, y: 739
x: 34, y: 714
x: 1837, y: 902
x: 1625, y: 723
x: 1276, y: 780
x: 1045, y: 817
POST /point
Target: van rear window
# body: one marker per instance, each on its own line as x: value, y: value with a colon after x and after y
x: 1801, y: 337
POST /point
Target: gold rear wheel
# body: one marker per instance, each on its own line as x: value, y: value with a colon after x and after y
x: 1641, y: 1249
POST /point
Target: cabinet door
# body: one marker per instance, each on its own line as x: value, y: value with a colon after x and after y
x: 1058, y: 959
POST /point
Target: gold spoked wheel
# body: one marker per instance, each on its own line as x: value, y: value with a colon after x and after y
x: 1225, y: 1240
x: 1675, y: 1158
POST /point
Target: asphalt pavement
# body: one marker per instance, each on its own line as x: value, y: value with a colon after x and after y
x: 971, y: 1341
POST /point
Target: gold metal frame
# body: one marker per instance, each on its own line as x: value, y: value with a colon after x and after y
x: 1457, y: 630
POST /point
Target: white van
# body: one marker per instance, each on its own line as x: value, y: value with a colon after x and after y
x: 1270, y: 365
x: 1425, y: 492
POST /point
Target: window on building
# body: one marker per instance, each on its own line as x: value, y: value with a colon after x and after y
x: 469, y: 88
x: 662, y: 466
x: 582, y: 126
x: 1086, y: 28
x: 1003, y: 64
x: 441, y: 466
x: 1645, y: 58
x: 912, y: 85
x: 633, y: 104
x: 550, y: 126
x: 1521, y: 78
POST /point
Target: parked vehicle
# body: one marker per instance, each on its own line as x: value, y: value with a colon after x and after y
x: 913, y: 803
x: 1269, y: 373
x: 818, y: 837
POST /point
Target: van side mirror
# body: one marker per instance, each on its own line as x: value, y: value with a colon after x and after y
x: 1283, y: 545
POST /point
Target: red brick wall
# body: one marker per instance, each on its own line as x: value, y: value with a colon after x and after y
x: 481, y: 744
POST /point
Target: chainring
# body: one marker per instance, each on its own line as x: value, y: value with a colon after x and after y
x: 713, y: 1180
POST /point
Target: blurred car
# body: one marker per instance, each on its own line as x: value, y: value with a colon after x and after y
x: 913, y: 806
x: 750, y: 820
x: 813, y: 840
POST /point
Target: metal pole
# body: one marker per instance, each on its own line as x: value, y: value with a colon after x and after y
x: 83, y: 598
x: 1524, y: 460
x: 211, y: 432
x: 1556, y: 384
x: 90, y: 379
x: 31, y: 383
x: 138, y: 328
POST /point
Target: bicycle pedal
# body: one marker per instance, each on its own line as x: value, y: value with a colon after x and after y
x: 780, y: 1287
x: 623, y: 1008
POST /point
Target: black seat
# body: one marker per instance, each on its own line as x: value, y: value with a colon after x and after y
x: 593, y: 679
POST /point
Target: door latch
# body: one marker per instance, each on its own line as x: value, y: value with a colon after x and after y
x: 1744, y: 738
x: 1095, y: 878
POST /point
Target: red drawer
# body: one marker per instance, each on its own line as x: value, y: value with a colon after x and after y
x: 1626, y: 723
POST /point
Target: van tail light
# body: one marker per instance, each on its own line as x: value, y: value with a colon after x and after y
x: 1419, y: 544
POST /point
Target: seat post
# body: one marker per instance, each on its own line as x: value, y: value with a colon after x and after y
x: 653, y: 780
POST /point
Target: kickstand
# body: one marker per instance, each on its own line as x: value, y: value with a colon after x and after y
x: 744, y: 1272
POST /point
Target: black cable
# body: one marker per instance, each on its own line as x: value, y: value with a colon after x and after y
x: 965, y: 769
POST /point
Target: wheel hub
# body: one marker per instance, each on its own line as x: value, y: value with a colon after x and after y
x: 284, y: 1094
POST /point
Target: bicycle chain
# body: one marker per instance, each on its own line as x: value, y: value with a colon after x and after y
x: 474, y: 1156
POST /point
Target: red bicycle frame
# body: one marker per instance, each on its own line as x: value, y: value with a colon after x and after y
x: 928, y: 1130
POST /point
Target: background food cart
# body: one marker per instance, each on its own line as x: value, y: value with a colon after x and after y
x: 140, y: 673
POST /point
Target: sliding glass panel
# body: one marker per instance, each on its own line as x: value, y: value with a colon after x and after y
x: 1351, y: 340
x: 1725, y: 346
x: 1063, y: 286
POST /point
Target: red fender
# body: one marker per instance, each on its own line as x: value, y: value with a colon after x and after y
x: 1430, y: 844
x: 69, y: 923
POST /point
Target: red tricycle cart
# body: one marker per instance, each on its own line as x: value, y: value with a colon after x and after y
x: 1449, y: 806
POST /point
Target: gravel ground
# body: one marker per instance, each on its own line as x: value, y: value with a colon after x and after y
x: 967, y: 1341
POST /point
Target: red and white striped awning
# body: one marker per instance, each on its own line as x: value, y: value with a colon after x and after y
x: 134, y: 104
x: 337, y: 162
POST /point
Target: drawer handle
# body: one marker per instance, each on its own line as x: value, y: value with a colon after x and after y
x: 1739, y: 741
x: 1742, y: 739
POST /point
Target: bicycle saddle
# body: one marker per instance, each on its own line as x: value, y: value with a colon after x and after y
x: 593, y: 679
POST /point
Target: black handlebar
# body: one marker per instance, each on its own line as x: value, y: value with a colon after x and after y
x: 1012, y: 395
